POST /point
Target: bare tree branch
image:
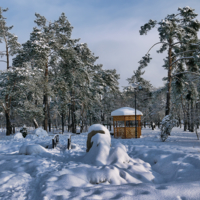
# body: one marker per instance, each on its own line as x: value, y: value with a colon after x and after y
x: 156, y: 44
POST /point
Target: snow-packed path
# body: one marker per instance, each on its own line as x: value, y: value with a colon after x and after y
x: 155, y: 170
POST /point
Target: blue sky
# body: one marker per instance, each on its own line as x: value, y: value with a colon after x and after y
x: 109, y: 27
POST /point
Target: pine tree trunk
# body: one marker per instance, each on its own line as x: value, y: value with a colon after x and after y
x: 49, y: 117
x: 184, y: 119
x: 152, y: 126
x: 179, y: 120
x: 188, y: 117
x: 13, y: 127
x: 185, y: 125
x: 8, y: 123
x: 7, y: 102
x: 192, y: 117
x: 35, y: 123
x: 63, y: 124
x: 167, y: 110
x: 197, y: 116
x: 110, y: 123
x: 7, y: 115
x: 46, y: 99
x: 82, y: 125
x: 73, y: 119
x: 45, y: 112
x: 69, y: 119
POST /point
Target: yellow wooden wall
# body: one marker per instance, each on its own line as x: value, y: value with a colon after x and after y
x: 126, y: 132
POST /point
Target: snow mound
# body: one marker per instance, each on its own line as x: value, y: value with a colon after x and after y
x: 102, y: 154
x: 18, y: 135
x: 99, y: 151
x: 39, y: 132
x: 31, y: 149
x: 93, y: 130
x: 112, y: 165
x: 118, y: 155
x: 31, y: 137
x: 98, y: 127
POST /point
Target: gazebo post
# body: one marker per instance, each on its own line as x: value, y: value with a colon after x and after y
x: 124, y: 126
x: 135, y: 117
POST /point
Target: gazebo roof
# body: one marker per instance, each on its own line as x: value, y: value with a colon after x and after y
x: 125, y: 111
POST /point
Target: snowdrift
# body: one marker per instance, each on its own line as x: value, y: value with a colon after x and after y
x: 144, y: 168
x: 18, y: 135
x: 112, y: 163
x: 32, y: 149
x: 38, y: 132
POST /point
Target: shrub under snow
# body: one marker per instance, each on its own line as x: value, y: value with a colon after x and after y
x: 31, y: 149
x: 18, y: 135
x: 166, y: 126
x: 38, y: 132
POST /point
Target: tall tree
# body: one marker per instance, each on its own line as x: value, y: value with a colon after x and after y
x: 176, y: 32
x: 44, y: 49
x: 11, y: 47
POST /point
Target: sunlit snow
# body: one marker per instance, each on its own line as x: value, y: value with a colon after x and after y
x: 143, y: 168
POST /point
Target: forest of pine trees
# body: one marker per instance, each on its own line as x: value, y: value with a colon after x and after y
x: 54, y: 81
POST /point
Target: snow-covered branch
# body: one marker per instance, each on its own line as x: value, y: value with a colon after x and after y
x: 190, y: 57
x: 182, y: 53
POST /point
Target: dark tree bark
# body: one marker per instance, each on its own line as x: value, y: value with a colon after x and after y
x: 63, y: 124
x: 110, y: 123
x: 167, y: 110
x: 49, y: 117
x: 69, y: 125
x: 45, y: 112
x: 46, y: 100
x: 73, y: 119
x: 7, y: 99
x: 13, y: 127
x: 188, y: 117
x: 197, y: 115
x: 179, y: 121
x: 8, y: 123
x: 192, y: 117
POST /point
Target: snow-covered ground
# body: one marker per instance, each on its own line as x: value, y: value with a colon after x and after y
x: 144, y: 168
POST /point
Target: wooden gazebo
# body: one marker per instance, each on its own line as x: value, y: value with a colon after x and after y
x: 124, y: 123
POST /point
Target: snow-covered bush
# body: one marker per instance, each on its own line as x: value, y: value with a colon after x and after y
x: 39, y: 132
x: 24, y: 131
x: 31, y: 149
x: 167, y: 124
x: 18, y: 135
x: 93, y: 130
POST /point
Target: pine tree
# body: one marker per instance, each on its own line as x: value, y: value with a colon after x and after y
x: 177, y: 32
x: 44, y: 49
x: 11, y: 47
